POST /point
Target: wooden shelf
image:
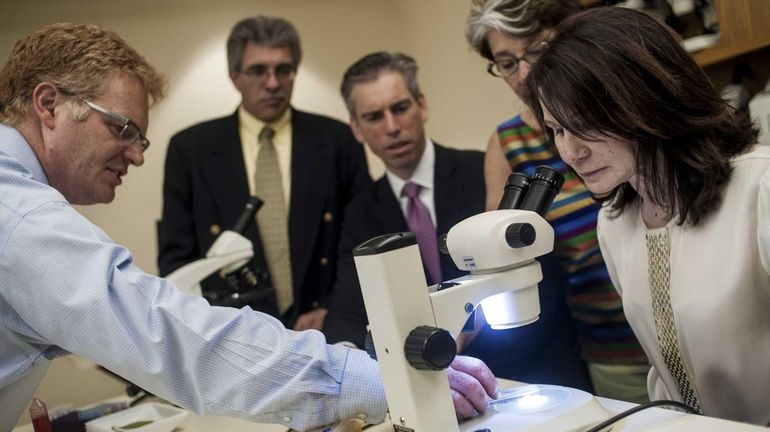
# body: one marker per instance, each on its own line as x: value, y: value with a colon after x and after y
x: 744, y: 26
x: 726, y: 51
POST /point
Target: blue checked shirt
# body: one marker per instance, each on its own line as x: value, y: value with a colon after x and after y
x: 65, y: 287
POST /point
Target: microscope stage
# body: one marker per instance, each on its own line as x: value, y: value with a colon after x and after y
x: 540, y: 408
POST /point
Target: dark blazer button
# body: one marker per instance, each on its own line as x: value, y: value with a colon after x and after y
x: 324, y: 261
x: 215, y: 229
x: 328, y: 217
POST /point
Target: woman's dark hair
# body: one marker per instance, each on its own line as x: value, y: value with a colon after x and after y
x: 617, y: 72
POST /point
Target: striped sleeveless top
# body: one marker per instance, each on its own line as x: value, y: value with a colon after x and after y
x: 602, y: 330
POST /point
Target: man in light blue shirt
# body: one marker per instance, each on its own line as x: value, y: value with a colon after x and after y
x: 74, y: 103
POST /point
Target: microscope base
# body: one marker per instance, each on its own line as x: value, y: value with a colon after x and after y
x: 541, y: 408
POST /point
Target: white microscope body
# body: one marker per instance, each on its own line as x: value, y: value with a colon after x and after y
x: 229, y: 252
x: 409, y: 322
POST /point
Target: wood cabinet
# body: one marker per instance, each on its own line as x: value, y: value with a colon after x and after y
x: 744, y: 26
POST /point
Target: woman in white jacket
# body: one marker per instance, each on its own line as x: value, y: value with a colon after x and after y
x: 685, y: 226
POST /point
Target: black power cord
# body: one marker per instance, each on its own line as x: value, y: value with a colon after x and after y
x: 614, y: 419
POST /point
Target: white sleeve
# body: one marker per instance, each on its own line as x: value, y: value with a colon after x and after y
x: 655, y: 386
x: 601, y: 228
x: 75, y: 289
x: 763, y: 221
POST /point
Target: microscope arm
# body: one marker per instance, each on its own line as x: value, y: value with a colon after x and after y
x: 498, y: 248
x: 513, y: 293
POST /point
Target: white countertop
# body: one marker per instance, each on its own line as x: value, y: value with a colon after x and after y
x: 653, y: 419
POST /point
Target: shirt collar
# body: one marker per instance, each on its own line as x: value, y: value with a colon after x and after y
x: 423, y: 174
x: 13, y: 144
x: 255, y: 125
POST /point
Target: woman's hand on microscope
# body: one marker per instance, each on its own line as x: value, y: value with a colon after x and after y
x: 472, y: 385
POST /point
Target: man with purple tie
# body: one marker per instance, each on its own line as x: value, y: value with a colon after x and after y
x: 428, y: 188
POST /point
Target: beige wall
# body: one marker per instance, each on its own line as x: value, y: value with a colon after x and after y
x: 185, y: 39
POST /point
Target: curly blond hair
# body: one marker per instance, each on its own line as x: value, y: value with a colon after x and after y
x: 75, y: 58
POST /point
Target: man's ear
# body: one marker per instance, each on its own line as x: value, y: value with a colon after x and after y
x: 422, y: 103
x: 235, y: 81
x: 356, y: 128
x: 45, y: 97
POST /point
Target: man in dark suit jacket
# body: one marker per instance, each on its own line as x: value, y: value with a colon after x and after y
x: 210, y: 174
x: 459, y: 194
x: 388, y: 112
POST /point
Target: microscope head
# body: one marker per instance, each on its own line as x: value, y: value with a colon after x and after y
x: 499, y: 248
x: 498, y: 240
x: 512, y: 235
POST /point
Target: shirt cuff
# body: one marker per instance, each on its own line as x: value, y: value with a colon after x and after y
x: 362, y: 394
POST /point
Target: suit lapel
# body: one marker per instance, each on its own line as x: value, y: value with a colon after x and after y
x: 311, y: 162
x: 386, y: 210
x: 225, y: 171
x: 448, y: 195
x: 447, y: 190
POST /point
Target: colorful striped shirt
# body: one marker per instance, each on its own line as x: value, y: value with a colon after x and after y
x: 603, y: 332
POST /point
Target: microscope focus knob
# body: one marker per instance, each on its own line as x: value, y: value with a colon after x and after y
x: 519, y: 235
x: 430, y: 348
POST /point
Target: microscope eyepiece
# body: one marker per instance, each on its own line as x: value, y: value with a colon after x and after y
x: 247, y: 216
x: 543, y: 188
x: 515, y: 189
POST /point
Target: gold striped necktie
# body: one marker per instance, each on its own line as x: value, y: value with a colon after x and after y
x: 273, y: 220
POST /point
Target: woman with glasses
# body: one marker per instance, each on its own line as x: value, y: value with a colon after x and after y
x: 512, y: 35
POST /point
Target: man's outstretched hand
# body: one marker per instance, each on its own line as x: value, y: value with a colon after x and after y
x: 472, y: 385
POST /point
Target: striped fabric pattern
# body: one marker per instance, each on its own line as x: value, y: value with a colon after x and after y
x: 603, y: 333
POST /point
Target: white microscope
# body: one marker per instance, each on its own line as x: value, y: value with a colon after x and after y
x: 228, y: 255
x: 410, y: 323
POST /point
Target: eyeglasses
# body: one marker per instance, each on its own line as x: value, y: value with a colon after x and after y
x: 508, y: 66
x: 282, y: 72
x: 125, y: 128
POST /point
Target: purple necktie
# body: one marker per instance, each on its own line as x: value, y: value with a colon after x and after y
x: 420, y: 223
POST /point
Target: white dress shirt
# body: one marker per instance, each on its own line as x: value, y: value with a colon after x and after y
x: 423, y: 176
x: 249, y: 128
